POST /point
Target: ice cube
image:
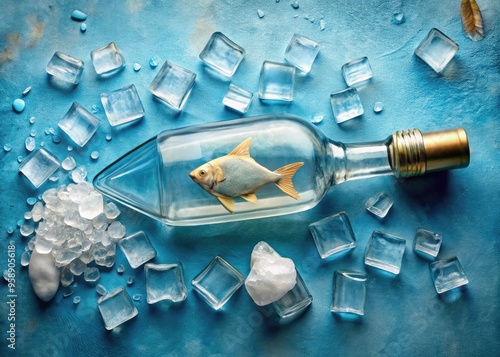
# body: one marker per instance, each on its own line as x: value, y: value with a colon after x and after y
x: 301, y: 52
x: 111, y: 210
x: 122, y: 105
x: 385, y: 251
x: 107, y: 60
x: 379, y: 205
x: 79, y: 124
x: 237, y: 99
x: 165, y: 282
x: 357, y: 71
x: 427, y: 242
x: 173, y: 85
x: 277, y: 81
x: 64, y: 68
x: 333, y: 234
x: 447, y: 274
x: 349, y: 292
x: 437, y: 50
x: 116, y: 308
x: 222, y: 54
x: 346, y: 105
x: 137, y: 249
x: 217, y: 282
x: 91, y: 275
x: 39, y: 166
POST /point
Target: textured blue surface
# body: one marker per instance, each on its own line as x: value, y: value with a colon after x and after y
x: 403, y: 315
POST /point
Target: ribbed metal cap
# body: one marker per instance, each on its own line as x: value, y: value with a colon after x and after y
x: 413, y: 153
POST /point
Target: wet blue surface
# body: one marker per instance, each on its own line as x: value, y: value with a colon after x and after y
x: 404, y: 316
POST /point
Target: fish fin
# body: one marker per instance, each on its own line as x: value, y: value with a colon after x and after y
x: 227, y: 202
x: 243, y: 149
x: 285, y: 183
x: 472, y: 20
x: 250, y: 197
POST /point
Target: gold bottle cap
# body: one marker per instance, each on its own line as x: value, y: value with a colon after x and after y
x: 413, y: 153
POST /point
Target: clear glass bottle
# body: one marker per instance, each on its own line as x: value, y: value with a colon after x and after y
x: 154, y: 177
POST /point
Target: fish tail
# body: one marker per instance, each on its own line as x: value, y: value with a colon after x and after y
x: 285, y: 183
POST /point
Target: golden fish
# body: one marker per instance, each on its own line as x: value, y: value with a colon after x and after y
x: 238, y: 175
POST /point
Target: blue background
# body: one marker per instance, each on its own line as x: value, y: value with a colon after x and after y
x: 403, y: 314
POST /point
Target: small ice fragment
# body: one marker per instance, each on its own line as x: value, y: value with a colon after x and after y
x: 79, y: 174
x: 56, y: 139
x: 39, y: 166
x: 173, y: 85
x: 165, y: 282
x: 322, y: 24
x: 32, y: 120
x: 349, y: 292
x: 31, y: 200
x: 107, y: 60
x: 25, y: 258
x: 137, y: 67
x: 68, y: 163
x: 26, y: 91
x: 79, y: 124
x: 108, y: 137
x: 27, y: 215
x: 120, y: 269
x: 116, y: 308
x: 77, y: 267
x: 295, y: 4
x: 447, y: 274
x: 398, y: 18
x: 26, y: 230
x: 116, y: 230
x: 42, y: 144
x: 78, y: 15
x: 18, y: 105
x: 379, y: 204
x: 67, y: 291
x: 385, y: 251
x: 91, y: 274
x: 7, y: 147
x: 130, y: 281
x: 91, y: 206
x: 277, y: 81
x: 29, y: 144
x: 94, y: 155
x: 346, y: 105
x: 83, y: 27
x: 10, y: 230
x: 378, y: 106
x: 154, y: 61
x: 318, y: 118
x: 69, y: 148
x: 101, y: 290
x: 437, y: 50
x: 94, y: 109
x: 111, y: 211
x: 136, y: 297
x: 37, y: 211
x: 44, y: 276
x: 122, y: 105
x: 76, y: 300
x: 137, y: 248
x: 67, y: 277
x: 33, y: 133
x: 261, y: 13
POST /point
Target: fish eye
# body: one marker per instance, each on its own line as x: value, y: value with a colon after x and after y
x: 202, y: 173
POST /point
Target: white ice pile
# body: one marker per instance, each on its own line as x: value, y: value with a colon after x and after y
x: 76, y: 227
x: 271, y: 276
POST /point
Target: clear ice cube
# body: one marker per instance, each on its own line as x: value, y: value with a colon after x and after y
x: 222, y: 54
x: 137, y: 248
x: 172, y: 85
x: 116, y: 308
x: 165, y: 282
x: 346, y: 105
x: 379, y: 205
x: 357, y: 71
x: 237, y: 99
x: 437, y: 50
x: 349, y: 292
x: 385, y: 251
x: 122, y: 105
x: 39, y: 166
x: 217, y: 282
x: 107, y: 60
x: 65, y: 68
x: 79, y: 124
x: 333, y: 234
x: 277, y: 81
x: 427, y: 242
x: 447, y: 274
x: 301, y: 52
x: 91, y: 275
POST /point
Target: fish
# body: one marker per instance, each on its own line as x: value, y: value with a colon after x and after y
x: 237, y: 174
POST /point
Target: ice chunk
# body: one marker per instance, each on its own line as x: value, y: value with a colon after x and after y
x: 39, y: 166
x: 301, y: 52
x: 107, y: 60
x: 67, y: 277
x: 447, y: 274
x: 346, y: 105
x: 116, y: 308
x: 379, y: 205
x: 222, y: 54
x: 79, y: 124
x: 122, y: 105
x: 65, y: 69
x: 437, y: 50
x: 91, y: 206
x: 237, y: 99
x: 25, y: 258
x: 44, y: 276
x: 349, y: 292
x: 77, y: 267
x: 333, y: 234
x: 427, y: 242
x: 165, y: 282
x: 91, y: 275
x: 173, y: 85
x: 111, y: 210
x: 217, y: 282
x: 137, y: 248
x: 94, y: 155
x: 79, y: 174
x: 116, y: 230
x: 385, y: 251
x: 277, y: 81
x: 271, y: 276
x: 378, y: 107
x: 101, y: 290
x: 76, y: 300
x: 68, y: 163
x: 357, y: 71
x: 64, y: 256
x: 26, y: 230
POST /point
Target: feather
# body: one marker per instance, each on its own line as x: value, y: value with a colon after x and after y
x: 472, y: 20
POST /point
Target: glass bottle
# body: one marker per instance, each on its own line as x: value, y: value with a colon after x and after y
x: 154, y: 177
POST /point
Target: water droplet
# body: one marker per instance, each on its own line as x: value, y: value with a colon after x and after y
x: 136, y: 297
x: 20, y: 159
x: 295, y: 4
x: 317, y: 119
x: 32, y: 120
x: 377, y: 108
x: 10, y: 230
x: 31, y: 201
x: 78, y: 15
x: 120, y: 269
x: 56, y: 139
x: 32, y: 133
x: 130, y: 281
x: 83, y: 27
x: 94, y: 155
x: 7, y: 148
x: 76, y: 300
x: 398, y: 18
x: 109, y: 137
x: 261, y: 13
x: 322, y: 24
x: 29, y: 144
x: 95, y: 109
x: 137, y: 67
x: 70, y: 148
x: 154, y: 61
x: 18, y: 105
